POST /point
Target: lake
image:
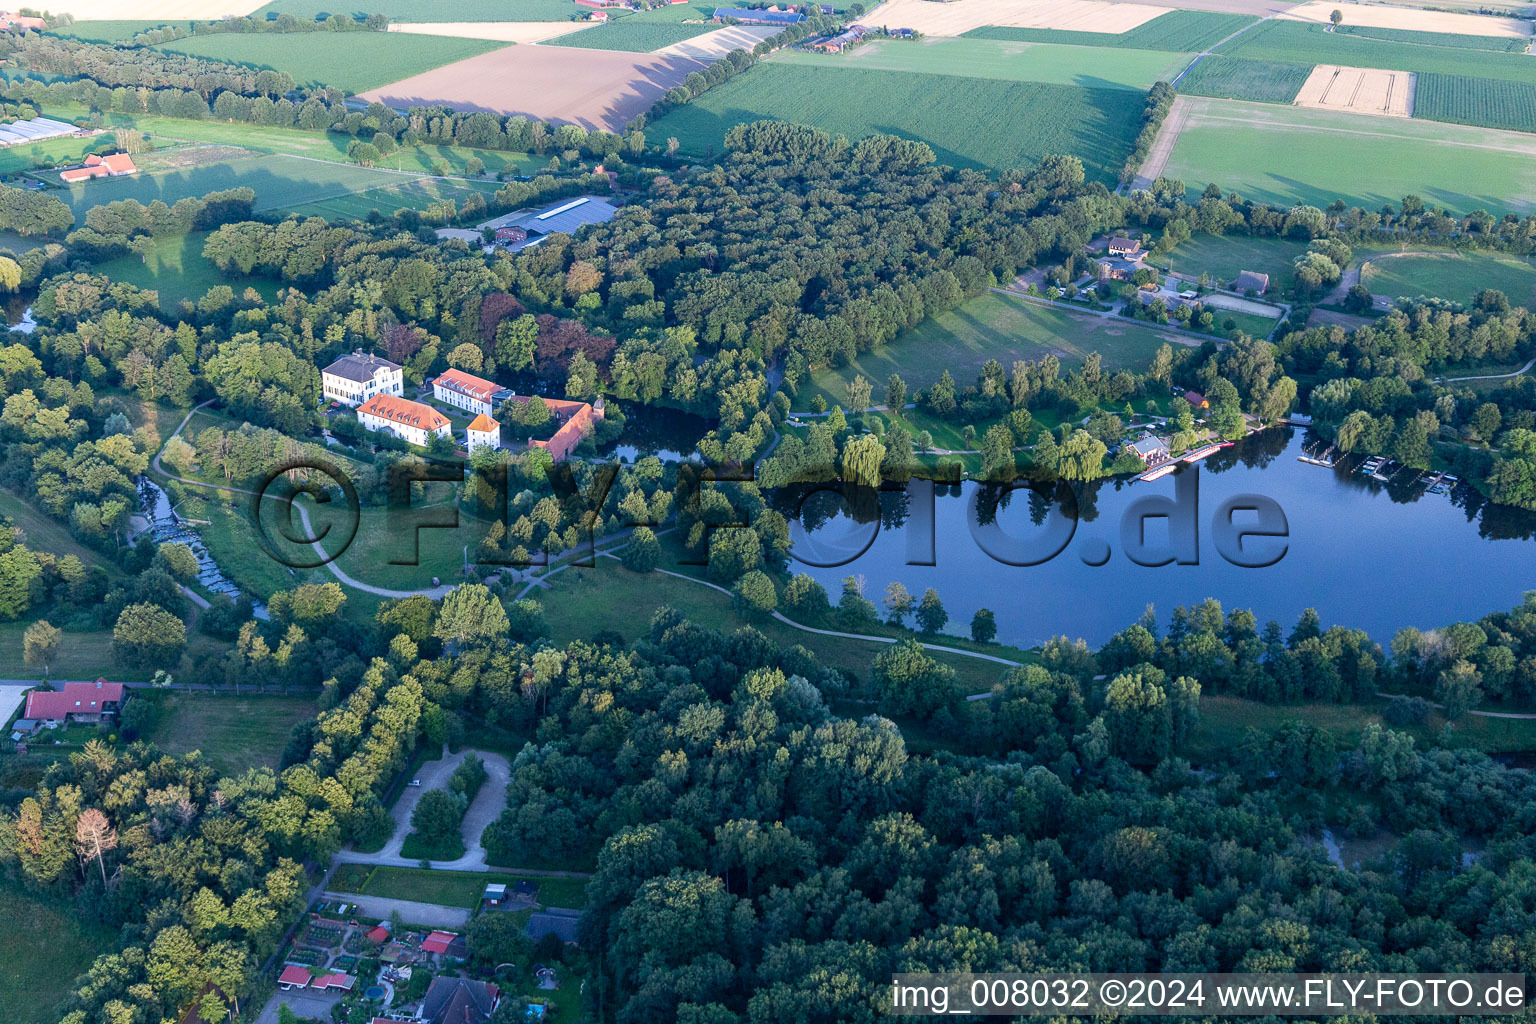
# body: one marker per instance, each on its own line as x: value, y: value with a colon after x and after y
x: 1366, y: 555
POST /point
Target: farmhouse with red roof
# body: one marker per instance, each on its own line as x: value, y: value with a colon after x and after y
x: 77, y: 702
x: 96, y: 166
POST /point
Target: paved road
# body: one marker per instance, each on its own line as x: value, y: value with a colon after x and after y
x: 1492, y: 376
x: 432, y: 915
x: 780, y: 617
x: 488, y: 803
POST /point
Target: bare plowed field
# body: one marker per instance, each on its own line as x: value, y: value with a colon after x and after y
x: 173, y: 10
x: 1374, y: 16
x: 953, y: 19
x: 502, y: 31
x: 564, y: 85
x: 720, y: 42
x: 1359, y: 90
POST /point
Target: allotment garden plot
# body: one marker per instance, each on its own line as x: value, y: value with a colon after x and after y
x: 1287, y: 155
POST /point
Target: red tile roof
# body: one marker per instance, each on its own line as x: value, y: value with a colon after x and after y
x: 438, y: 942
x: 329, y: 981
x: 378, y: 934
x: 75, y: 698
x: 482, y: 424
x: 401, y: 410
x: 119, y: 163
x: 293, y: 974
x: 467, y: 384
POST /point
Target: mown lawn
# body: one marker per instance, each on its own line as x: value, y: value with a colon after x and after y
x: 992, y: 326
x: 61, y: 152
x: 1225, y: 256
x: 177, y: 270
x: 452, y: 888
x: 83, y: 654
x: 45, y: 534
x: 233, y: 731
x: 1454, y: 276
x: 354, y: 61
x: 968, y: 122
x: 44, y: 948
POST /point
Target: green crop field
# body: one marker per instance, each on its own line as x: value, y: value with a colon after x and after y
x: 177, y: 270
x: 632, y: 35
x: 45, y: 946
x: 279, y: 181
x: 1451, y: 275
x: 437, y: 10
x: 1302, y: 43
x: 1289, y: 155
x: 413, y: 194
x: 1477, y: 101
x: 1176, y: 31
x: 354, y: 61
x: 1006, y: 61
x: 1233, y: 78
x: 1507, y: 44
x: 969, y: 122
x: 992, y: 326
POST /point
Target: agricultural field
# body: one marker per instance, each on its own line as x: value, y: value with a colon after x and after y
x: 1289, y: 155
x: 1236, y: 78
x: 355, y: 61
x: 1005, y: 61
x: 1476, y: 101
x: 1394, y: 19
x: 233, y: 731
x: 633, y: 35
x: 177, y: 270
x: 45, y: 947
x: 1359, y: 90
x: 280, y: 182
x: 969, y: 122
x: 413, y: 194
x: 108, y: 31
x: 1175, y: 31
x: 956, y: 19
x: 1451, y: 275
x: 1305, y: 43
x: 720, y: 42
x: 993, y: 326
x: 592, y: 88
x: 438, y: 10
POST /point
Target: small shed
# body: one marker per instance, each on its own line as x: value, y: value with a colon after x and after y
x: 495, y: 894
x: 293, y: 977
x: 438, y: 942
x: 379, y: 933
x: 1196, y: 400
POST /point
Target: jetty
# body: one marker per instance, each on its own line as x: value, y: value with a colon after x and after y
x: 1207, y: 450
x: 1159, y: 471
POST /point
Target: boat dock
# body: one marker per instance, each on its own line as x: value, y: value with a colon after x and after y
x: 1210, y: 449
x: 1327, y: 460
x: 1159, y: 471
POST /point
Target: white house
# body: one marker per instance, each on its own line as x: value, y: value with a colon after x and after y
x: 482, y: 432
x: 412, y: 421
x: 468, y: 392
x: 354, y: 379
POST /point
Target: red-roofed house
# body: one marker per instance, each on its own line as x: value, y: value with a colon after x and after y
x: 438, y: 942
x: 14, y: 22
x: 468, y: 392
x: 379, y: 934
x: 412, y: 421
x: 79, y: 702
x: 96, y: 166
x: 339, y: 982
x: 577, y: 421
x: 293, y: 977
x: 1196, y: 400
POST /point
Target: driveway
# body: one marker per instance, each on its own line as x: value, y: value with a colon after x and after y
x: 305, y: 1004
x: 432, y: 915
x: 488, y: 803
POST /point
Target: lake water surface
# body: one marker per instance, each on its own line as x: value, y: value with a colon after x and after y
x: 1366, y: 555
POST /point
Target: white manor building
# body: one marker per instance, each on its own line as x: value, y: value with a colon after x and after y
x: 412, y: 421
x: 468, y: 392
x: 482, y: 432
x: 352, y: 380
